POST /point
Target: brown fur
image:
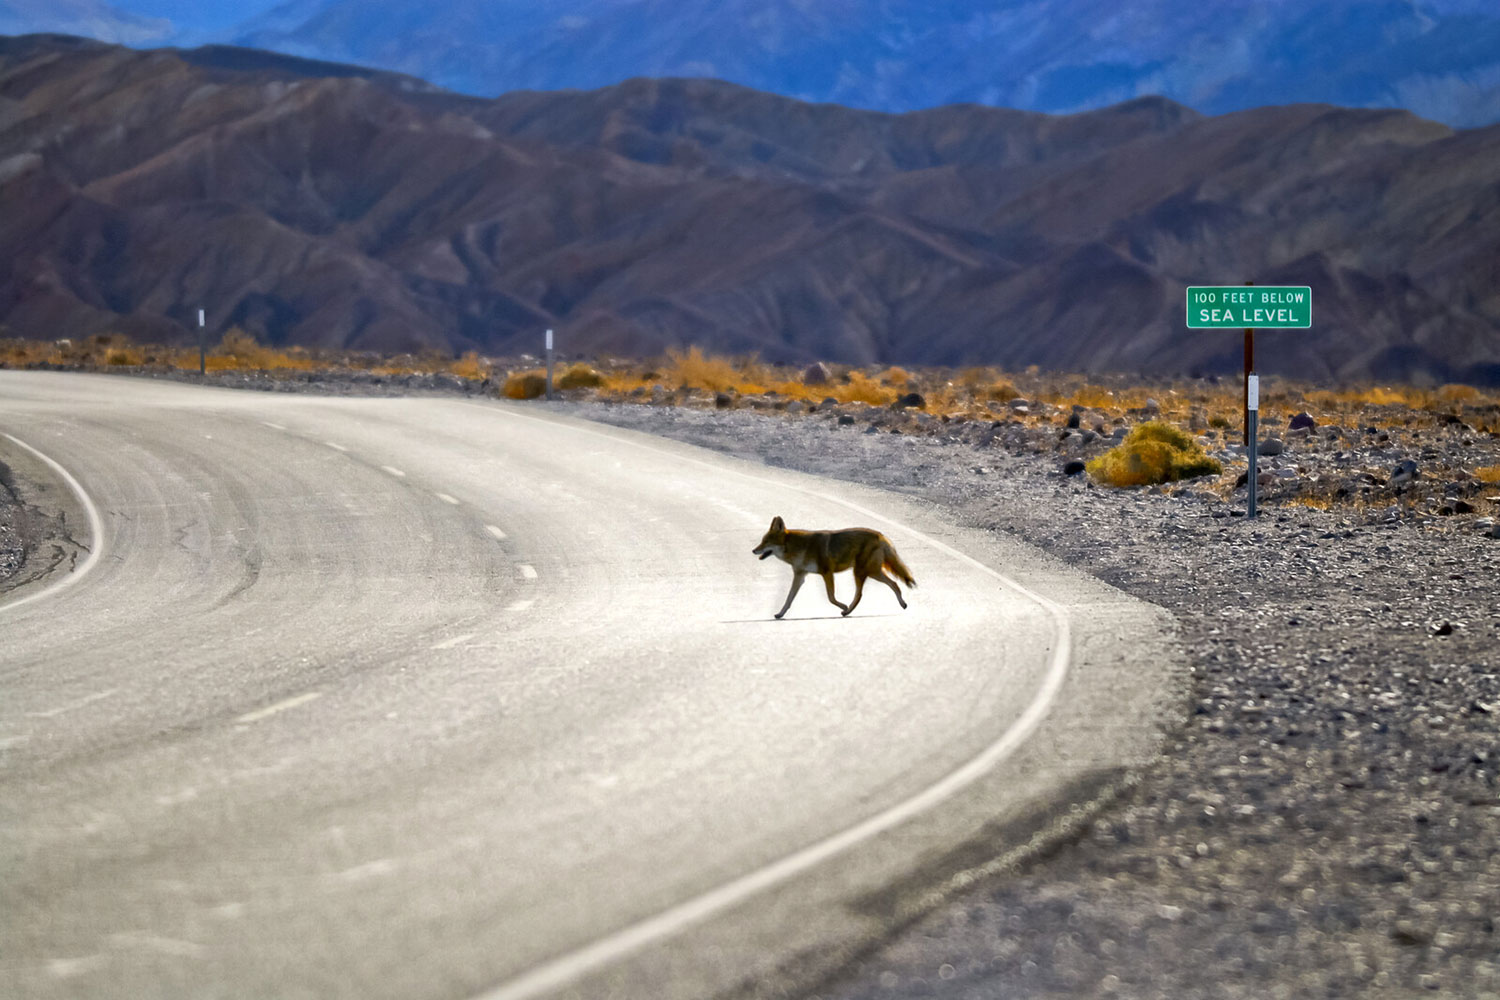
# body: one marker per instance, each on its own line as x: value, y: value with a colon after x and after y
x: 868, y: 553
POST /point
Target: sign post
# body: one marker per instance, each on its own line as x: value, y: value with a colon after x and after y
x: 1228, y: 307
x: 549, y: 364
x: 202, y: 347
x: 1249, y: 370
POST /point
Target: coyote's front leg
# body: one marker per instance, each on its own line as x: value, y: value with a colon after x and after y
x: 797, y: 577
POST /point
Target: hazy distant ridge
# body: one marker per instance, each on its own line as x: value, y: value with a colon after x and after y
x: 1437, y: 58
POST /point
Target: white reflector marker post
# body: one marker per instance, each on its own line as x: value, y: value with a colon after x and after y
x: 1252, y: 402
x: 549, y: 364
x: 202, y: 347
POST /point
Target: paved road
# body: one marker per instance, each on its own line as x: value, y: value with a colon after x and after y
x: 441, y: 698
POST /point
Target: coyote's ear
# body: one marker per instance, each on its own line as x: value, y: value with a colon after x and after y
x: 777, y: 524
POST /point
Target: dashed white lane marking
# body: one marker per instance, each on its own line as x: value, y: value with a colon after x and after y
x: 394, y: 471
x: 335, y: 446
x: 520, y: 605
x: 528, y: 571
x: 155, y: 942
x: 370, y: 869
x: 96, y: 532
x: 495, y: 531
x: 274, y: 427
x: 67, y: 968
x: 446, y: 498
x: 457, y: 640
x: 280, y: 706
x: 70, y: 706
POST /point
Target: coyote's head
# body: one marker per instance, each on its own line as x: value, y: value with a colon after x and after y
x: 774, y: 542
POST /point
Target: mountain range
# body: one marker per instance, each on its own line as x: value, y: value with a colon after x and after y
x: 337, y: 206
x: 1439, y: 59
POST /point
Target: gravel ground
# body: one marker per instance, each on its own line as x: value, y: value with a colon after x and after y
x: 12, y: 548
x: 1326, y: 821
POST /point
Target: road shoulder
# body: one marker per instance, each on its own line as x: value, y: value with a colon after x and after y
x: 44, y: 531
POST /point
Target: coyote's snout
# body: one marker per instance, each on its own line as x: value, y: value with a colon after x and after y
x: 868, y: 553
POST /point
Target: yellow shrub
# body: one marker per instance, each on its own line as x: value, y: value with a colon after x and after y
x: 862, y: 389
x: 696, y: 371
x: 1456, y: 393
x: 1488, y: 474
x: 525, y: 385
x: 469, y: 366
x: 1152, y: 453
x: 580, y: 376
x: 1001, y: 392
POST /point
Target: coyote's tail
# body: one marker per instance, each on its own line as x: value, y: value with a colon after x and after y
x: 895, y: 565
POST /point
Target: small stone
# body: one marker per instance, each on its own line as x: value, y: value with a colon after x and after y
x: 1300, y: 421
x: 723, y: 400
x: 911, y: 399
x: 1073, y: 468
x: 1408, y: 933
x: 1073, y: 421
x: 815, y: 374
x: 1270, y: 446
x: 1441, y: 628
x: 1406, y: 472
x: 845, y: 419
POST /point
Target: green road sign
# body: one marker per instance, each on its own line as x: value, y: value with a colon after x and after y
x: 1218, y: 307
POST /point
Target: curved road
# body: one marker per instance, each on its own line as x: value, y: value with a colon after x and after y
x: 426, y: 697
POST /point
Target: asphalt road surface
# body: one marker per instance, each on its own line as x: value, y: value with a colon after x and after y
x: 428, y: 697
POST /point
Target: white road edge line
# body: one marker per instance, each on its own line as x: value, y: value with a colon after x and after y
x: 394, y: 471
x: 560, y: 970
x: 528, y: 571
x: 457, y: 640
x: 520, y: 605
x: 274, y: 427
x: 280, y: 706
x: 499, y: 535
x: 335, y: 446
x: 96, y: 532
x: 446, y: 498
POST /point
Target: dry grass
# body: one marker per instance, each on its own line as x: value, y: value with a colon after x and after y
x: 1488, y: 474
x: 1310, y: 501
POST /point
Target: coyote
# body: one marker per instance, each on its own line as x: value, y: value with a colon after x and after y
x: 868, y: 553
